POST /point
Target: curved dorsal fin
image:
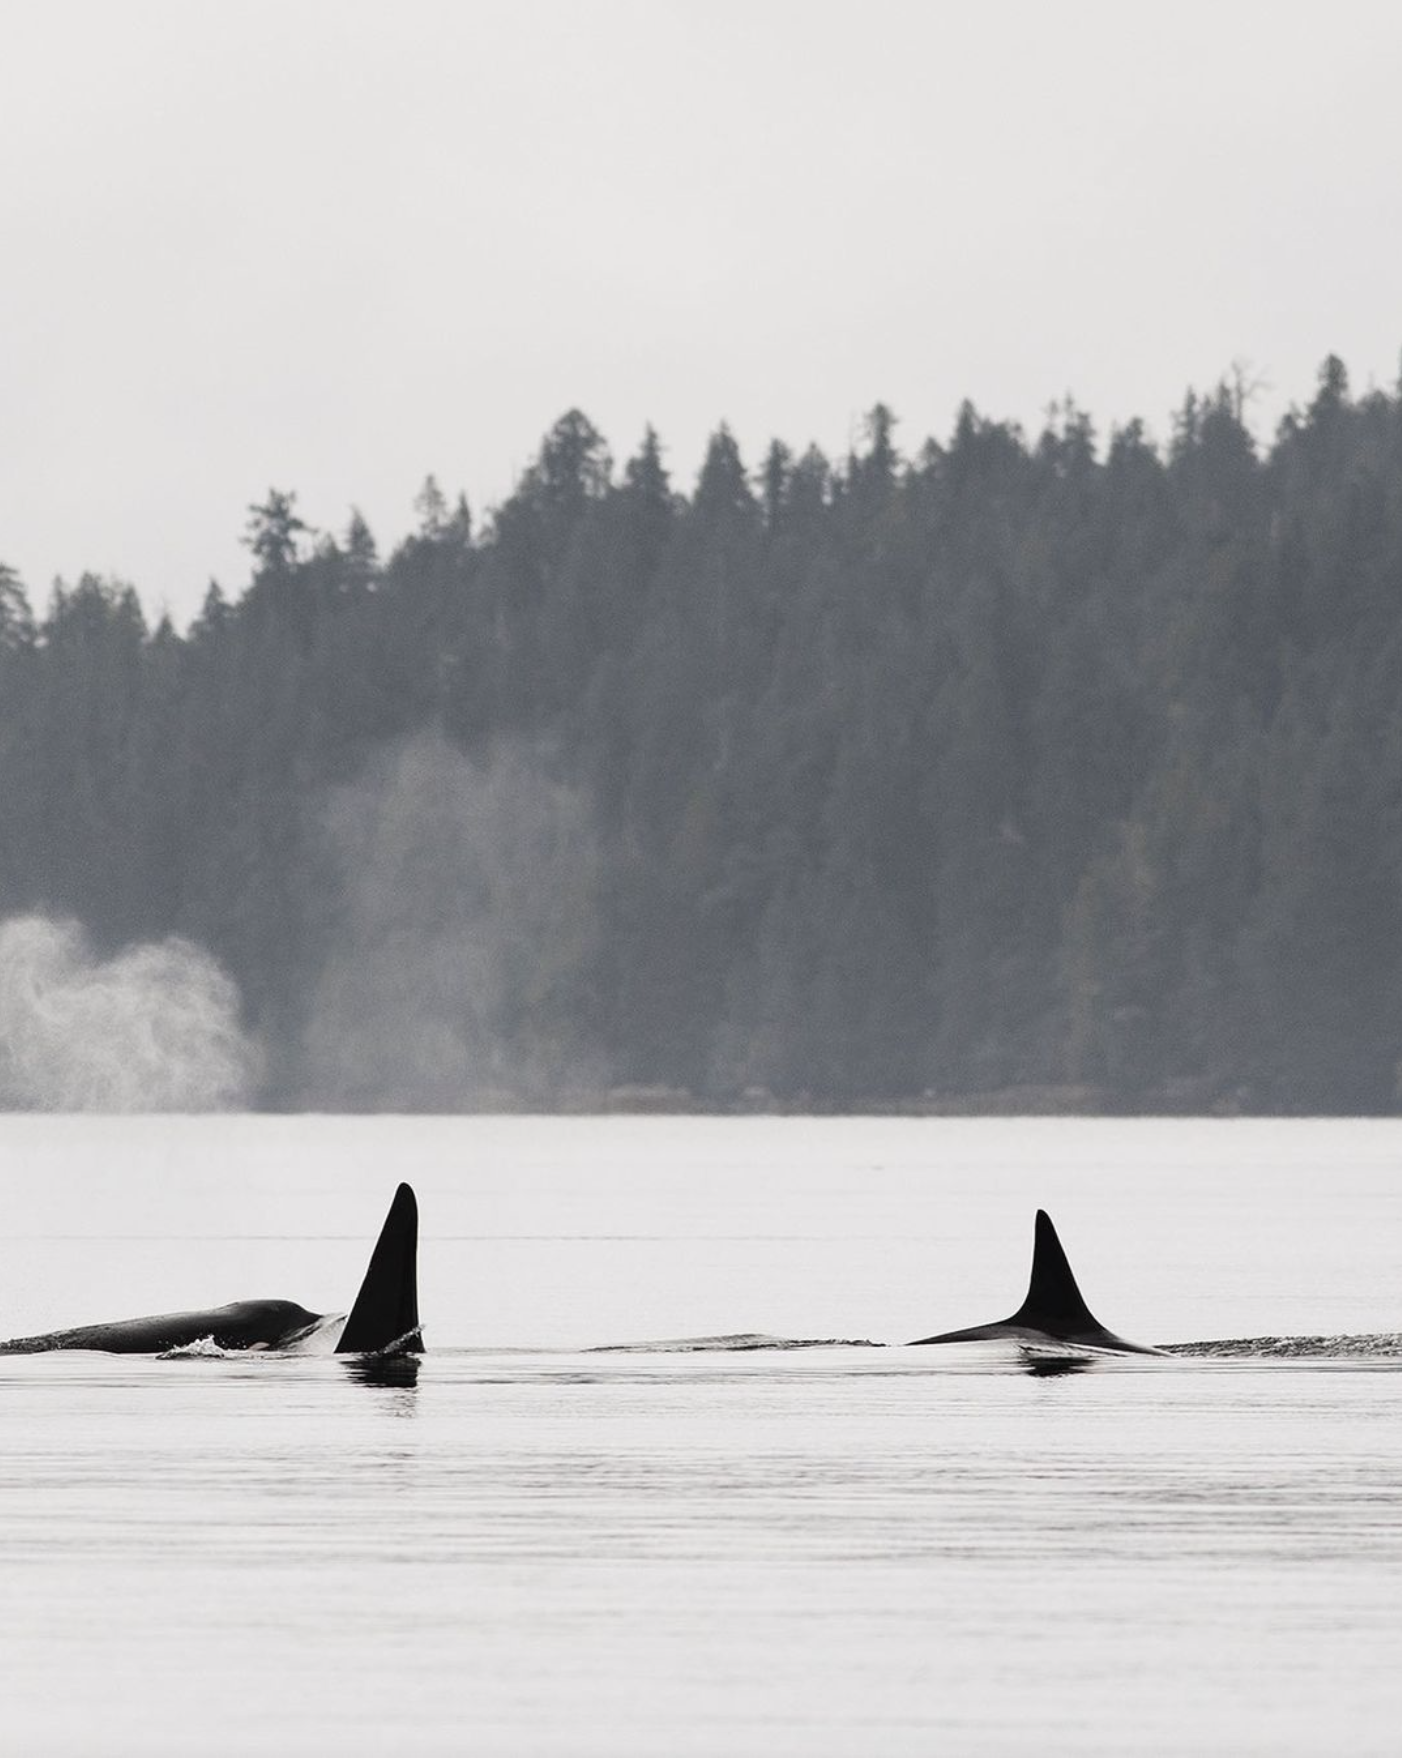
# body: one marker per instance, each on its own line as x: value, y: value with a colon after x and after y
x: 1054, y: 1303
x: 1053, y: 1306
x: 386, y: 1310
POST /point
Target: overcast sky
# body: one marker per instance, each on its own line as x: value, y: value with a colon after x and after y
x: 334, y: 245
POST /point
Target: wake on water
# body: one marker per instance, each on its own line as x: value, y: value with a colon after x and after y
x: 734, y: 1343
x: 1381, y: 1346
x: 1372, y: 1347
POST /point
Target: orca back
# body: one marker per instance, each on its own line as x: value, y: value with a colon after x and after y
x: 385, y: 1317
x: 245, y: 1324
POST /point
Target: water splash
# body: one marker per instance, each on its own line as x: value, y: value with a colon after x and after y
x: 154, y: 1028
x: 202, y: 1349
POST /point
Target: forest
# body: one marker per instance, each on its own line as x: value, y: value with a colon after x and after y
x: 1002, y: 772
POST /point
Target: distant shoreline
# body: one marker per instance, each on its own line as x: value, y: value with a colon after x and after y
x: 1183, y: 1100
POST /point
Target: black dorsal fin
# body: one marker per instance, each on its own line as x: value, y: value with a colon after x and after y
x: 1053, y: 1302
x: 386, y: 1310
x: 1053, y: 1308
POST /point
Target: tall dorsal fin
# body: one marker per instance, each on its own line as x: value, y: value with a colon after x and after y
x: 386, y: 1310
x: 1054, y: 1303
x: 1053, y: 1308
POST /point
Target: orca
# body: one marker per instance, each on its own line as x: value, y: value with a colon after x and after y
x: 384, y: 1320
x: 1054, y: 1311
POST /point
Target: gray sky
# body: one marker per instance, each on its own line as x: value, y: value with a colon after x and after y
x: 334, y: 245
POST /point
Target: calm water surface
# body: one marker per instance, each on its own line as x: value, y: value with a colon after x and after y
x: 537, y: 1549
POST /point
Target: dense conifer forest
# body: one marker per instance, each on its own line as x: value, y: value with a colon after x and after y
x: 1001, y: 772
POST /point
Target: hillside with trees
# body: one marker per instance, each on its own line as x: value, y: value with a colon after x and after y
x: 1003, y: 772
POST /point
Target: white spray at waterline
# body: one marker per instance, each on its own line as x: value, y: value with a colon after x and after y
x: 155, y: 1028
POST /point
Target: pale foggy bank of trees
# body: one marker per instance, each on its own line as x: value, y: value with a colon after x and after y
x: 996, y: 772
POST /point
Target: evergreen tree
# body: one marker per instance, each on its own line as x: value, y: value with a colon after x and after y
x: 1008, y: 763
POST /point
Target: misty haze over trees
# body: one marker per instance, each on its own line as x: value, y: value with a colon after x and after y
x: 1004, y: 766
